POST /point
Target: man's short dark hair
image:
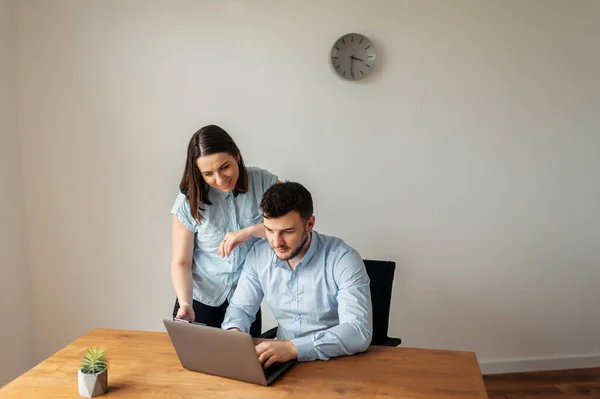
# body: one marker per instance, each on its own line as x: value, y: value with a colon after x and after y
x: 282, y: 198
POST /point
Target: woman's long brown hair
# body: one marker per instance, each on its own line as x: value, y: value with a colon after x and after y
x: 209, y: 140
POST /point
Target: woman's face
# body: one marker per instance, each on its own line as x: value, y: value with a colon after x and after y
x: 220, y: 170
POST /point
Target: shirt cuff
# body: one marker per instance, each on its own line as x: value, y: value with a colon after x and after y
x: 183, y: 220
x: 227, y: 326
x: 235, y: 318
x: 305, y: 348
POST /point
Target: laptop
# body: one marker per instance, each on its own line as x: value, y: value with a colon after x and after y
x: 215, y: 351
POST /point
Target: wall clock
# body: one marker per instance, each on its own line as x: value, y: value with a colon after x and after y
x: 353, y: 57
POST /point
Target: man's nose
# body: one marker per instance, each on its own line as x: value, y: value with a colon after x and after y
x: 277, y: 240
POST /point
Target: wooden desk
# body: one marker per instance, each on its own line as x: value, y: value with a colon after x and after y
x: 144, y: 365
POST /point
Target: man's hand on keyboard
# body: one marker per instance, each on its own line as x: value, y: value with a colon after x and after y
x: 275, y: 350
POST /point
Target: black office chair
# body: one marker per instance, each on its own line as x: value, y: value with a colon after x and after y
x: 381, y: 274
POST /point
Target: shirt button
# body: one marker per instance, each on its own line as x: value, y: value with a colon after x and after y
x: 293, y: 298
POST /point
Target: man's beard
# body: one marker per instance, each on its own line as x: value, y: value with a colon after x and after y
x: 296, y: 251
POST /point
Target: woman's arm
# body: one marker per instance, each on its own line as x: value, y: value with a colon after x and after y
x: 181, y: 267
x: 238, y: 237
x: 257, y: 230
x: 235, y: 238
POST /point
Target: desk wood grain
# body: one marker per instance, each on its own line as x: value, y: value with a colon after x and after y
x: 144, y: 364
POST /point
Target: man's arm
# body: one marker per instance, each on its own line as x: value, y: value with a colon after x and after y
x: 355, y: 330
x: 246, y: 299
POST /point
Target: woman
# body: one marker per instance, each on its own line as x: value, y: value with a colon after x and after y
x: 216, y: 220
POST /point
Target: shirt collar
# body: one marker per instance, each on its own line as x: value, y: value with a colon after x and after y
x: 218, y: 193
x: 310, y: 253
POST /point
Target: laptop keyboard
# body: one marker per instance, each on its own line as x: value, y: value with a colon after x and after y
x: 275, y: 368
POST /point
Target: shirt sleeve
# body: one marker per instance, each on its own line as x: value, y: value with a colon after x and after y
x: 181, y: 209
x: 354, y: 332
x: 246, y: 299
x: 267, y: 179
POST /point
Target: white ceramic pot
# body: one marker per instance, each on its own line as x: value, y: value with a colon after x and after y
x: 91, y: 385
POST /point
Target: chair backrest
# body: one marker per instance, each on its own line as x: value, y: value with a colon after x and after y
x: 381, y: 274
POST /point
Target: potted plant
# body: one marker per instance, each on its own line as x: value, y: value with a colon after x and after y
x: 93, y: 373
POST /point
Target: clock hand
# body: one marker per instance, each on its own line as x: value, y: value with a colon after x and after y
x: 351, y: 66
x: 357, y: 59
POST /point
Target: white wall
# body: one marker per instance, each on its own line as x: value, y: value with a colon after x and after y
x: 16, y: 318
x: 470, y: 157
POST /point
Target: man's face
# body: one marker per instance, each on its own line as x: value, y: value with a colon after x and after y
x: 288, y: 234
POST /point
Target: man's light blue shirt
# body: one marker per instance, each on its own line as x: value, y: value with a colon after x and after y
x: 215, y: 278
x: 323, y: 306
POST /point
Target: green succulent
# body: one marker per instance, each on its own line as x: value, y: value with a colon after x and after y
x: 94, y: 361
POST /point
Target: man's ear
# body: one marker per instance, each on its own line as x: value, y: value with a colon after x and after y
x: 310, y: 224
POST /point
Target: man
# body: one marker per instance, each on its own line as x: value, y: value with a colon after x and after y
x: 316, y: 285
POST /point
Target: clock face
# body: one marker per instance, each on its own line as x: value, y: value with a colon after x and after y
x: 353, y: 56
